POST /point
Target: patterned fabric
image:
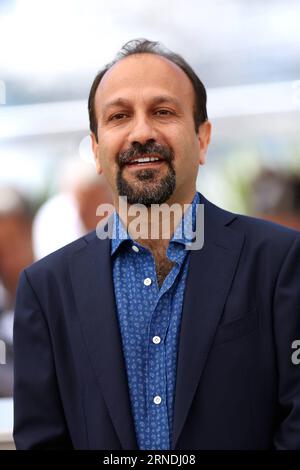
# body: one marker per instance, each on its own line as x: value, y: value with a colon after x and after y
x: 150, y: 320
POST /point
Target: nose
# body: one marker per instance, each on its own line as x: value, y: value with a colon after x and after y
x: 142, y: 131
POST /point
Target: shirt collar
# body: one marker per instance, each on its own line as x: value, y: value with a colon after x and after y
x: 120, y: 234
x: 182, y: 233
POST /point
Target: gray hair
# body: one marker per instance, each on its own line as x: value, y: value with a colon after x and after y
x: 12, y: 202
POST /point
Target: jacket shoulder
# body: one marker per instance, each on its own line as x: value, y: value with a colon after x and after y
x: 264, y: 229
x: 59, y: 258
x: 252, y: 227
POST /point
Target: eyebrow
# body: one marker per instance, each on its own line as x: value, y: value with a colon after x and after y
x: 155, y: 101
x: 166, y: 99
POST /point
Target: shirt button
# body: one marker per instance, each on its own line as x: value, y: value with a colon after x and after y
x: 147, y: 281
x: 135, y: 248
x: 156, y: 339
x: 157, y: 400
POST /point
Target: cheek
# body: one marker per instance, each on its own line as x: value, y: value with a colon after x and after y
x: 186, y: 154
x: 104, y: 154
x: 107, y: 162
x: 109, y: 147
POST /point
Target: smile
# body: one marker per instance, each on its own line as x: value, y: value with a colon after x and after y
x: 145, y: 161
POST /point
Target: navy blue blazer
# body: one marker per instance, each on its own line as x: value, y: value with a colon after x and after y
x: 236, y: 387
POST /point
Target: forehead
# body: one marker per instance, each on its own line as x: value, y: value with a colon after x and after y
x: 144, y: 75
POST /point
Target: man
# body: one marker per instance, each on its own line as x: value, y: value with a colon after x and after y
x: 276, y: 197
x: 71, y: 213
x: 137, y: 342
x: 15, y: 254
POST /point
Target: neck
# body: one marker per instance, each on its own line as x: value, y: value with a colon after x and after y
x: 154, y: 226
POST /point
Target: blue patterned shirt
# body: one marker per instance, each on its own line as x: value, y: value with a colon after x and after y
x: 150, y: 319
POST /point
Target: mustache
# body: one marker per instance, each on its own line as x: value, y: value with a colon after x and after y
x: 141, y: 150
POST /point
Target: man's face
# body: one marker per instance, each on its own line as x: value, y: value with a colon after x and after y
x: 145, y: 110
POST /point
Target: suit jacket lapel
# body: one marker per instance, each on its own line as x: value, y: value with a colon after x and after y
x: 210, y: 275
x: 91, y: 275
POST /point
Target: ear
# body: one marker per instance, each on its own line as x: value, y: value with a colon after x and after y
x: 95, y: 147
x: 204, y: 133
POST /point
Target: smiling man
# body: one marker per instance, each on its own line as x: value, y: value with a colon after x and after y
x: 137, y: 342
x: 149, y: 113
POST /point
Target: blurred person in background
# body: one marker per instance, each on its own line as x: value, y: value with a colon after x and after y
x: 71, y: 213
x: 15, y: 254
x: 276, y: 197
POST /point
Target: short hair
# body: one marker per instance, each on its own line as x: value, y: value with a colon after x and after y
x: 144, y: 46
x: 276, y: 192
x: 14, y: 203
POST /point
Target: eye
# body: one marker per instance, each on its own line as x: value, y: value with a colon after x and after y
x: 164, y: 112
x: 118, y: 117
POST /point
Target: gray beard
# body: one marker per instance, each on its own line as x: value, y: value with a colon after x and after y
x: 147, y: 190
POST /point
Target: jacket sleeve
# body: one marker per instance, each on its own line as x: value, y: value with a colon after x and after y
x: 286, y: 331
x: 39, y: 421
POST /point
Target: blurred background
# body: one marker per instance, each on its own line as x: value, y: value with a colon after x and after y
x: 247, y: 55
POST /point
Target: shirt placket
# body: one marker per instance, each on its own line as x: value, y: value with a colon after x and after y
x: 157, y: 389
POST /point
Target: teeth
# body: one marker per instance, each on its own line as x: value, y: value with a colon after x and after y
x: 145, y: 160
